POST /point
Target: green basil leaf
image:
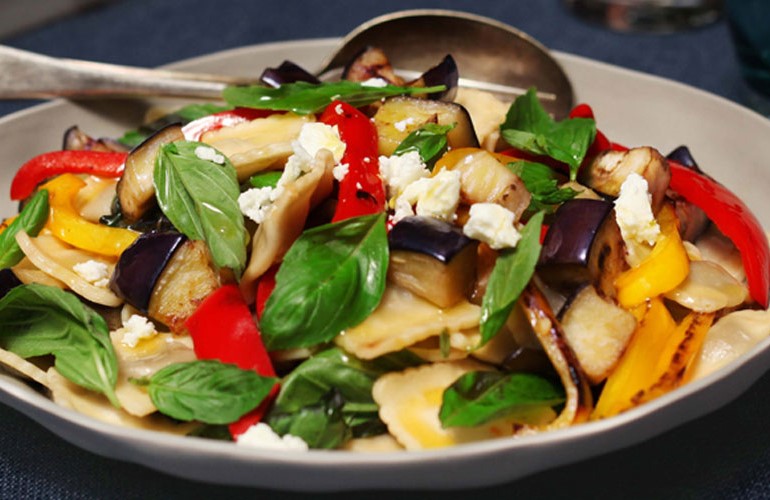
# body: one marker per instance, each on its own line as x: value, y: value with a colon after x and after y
x: 207, y: 390
x: 542, y: 183
x: 332, y: 278
x: 200, y: 198
x: 31, y: 220
x: 265, y: 179
x: 305, y: 98
x: 510, y: 275
x: 430, y: 141
x: 321, y: 425
x: 480, y: 397
x: 40, y: 320
x: 528, y: 127
x: 305, y: 391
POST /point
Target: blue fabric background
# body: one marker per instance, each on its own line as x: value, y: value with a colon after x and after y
x: 723, y: 455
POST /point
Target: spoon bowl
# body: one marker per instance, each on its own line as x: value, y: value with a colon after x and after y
x: 490, y: 55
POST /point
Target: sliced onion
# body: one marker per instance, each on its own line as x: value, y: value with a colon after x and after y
x: 708, y: 288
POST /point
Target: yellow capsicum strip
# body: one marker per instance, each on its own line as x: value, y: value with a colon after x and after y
x: 66, y: 223
x: 636, y: 371
x: 663, y: 270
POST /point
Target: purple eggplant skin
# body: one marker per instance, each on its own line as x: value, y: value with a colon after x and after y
x: 427, y: 235
x: 693, y: 221
x: 287, y: 72
x: 8, y: 281
x: 77, y: 140
x: 583, y: 245
x: 140, y: 266
x: 444, y: 73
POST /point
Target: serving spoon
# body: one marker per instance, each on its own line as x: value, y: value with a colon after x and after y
x: 490, y: 55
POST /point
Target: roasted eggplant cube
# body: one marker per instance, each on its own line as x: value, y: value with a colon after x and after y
x: 166, y: 276
x: 136, y: 191
x: 400, y: 116
x: 371, y: 62
x: 432, y: 259
x: 583, y: 245
x: 597, y: 330
x: 287, y: 72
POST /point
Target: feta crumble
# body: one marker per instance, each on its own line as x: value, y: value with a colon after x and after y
x: 492, y: 224
x: 436, y: 196
x: 314, y: 136
x: 209, y: 154
x: 401, y: 125
x: 260, y: 435
x: 633, y: 213
x: 95, y: 272
x: 136, y: 328
x: 400, y: 171
x: 375, y: 82
x: 340, y: 171
x: 256, y: 203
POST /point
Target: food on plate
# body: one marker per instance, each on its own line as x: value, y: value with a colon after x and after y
x: 371, y: 264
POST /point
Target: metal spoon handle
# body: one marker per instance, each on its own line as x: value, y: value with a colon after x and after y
x: 28, y: 75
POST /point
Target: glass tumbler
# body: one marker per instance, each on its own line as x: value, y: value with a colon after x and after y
x: 648, y: 15
x: 749, y: 22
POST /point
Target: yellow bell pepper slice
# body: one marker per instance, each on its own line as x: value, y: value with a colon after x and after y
x: 636, y: 370
x: 663, y: 270
x: 66, y: 223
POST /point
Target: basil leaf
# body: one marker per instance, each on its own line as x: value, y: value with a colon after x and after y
x: 307, y: 386
x: 321, y: 425
x: 542, y: 183
x: 265, y: 179
x: 207, y: 390
x: 40, y: 320
x: 528, y: 127
x: 511, y: 273
x: 429, y: 141
x: 480, y: 397
x: 31, y: 220
x: 332, y: 278
x: 304, y: 98
x: 200, y: 198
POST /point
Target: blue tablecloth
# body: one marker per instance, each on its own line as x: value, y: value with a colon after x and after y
x: 723, y: 455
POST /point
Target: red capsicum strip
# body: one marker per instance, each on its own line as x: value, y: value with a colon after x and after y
x: 47, y: 165
x: 194, y: 130
x: 734, y: 219
x: 222, y: 328
x: 361, y: 191
x: 730, y: 215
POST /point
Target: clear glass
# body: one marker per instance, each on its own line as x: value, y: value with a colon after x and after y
x: 649, y: 15
x: 749, y: 22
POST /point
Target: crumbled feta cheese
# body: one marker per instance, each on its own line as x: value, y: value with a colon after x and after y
x: 340, y: 171
x: 256, y: 203
x: 436, y: 196
x: 314, y: 136
x: 95, y: 272
x: 375, y: 82
x: 401, y: 125
x: 338, y: 109
x: 400, y: 171
x: 633, y: 213
x: 209, y: 154
x: 492, y: 224
x: 260, y: 435
x: 403, y: 209
x: 136, y: 328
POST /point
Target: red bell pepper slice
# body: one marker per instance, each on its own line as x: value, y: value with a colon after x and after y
x: 601, y: 143
x: 265, y: 287
x: 47, y: 165
x: 222, y: 328
x: 194, y: 130
x: 361, y: 191
x: 734, y: 219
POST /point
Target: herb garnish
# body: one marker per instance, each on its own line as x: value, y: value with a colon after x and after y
x: 305, y: 98
x: 510, y: 275
x: 430, y: 141
x: 200, y: 197
x: 40, y: 320
x: 332, y: 278
x: 542, y: 183
x: 528, y: 127
x: 31, y: 220
x: 480, y: 397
